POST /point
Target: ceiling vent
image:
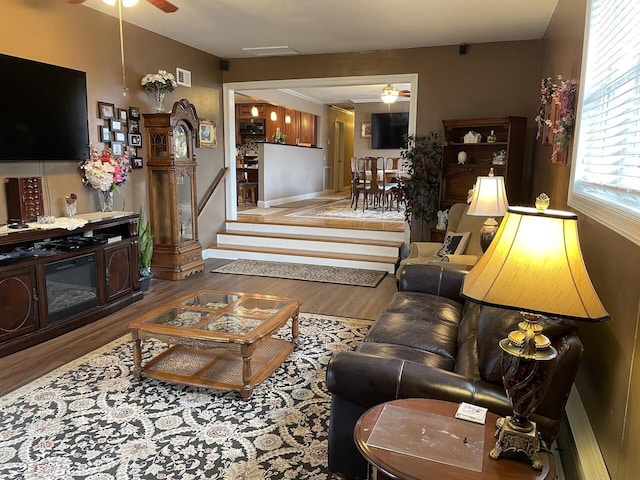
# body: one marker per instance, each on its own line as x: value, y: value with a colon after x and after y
x: 183, y: 77
x: 270, y: 51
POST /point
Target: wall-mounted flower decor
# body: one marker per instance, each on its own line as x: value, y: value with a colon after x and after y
x: 556, y: 116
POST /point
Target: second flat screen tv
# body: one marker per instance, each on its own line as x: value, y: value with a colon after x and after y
x: 389, y: 130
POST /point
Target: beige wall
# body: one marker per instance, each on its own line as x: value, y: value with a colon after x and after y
x: 606, y: 376
x: 78, y: 37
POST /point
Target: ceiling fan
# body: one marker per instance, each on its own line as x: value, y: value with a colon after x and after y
x: 390, y: 94
x: 164, y: 5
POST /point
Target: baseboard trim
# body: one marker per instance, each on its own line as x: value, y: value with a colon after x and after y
x: 581, y: 454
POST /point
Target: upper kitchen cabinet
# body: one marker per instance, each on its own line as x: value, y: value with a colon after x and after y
x: 291, y: 126
x: 307, y: 128
x: 473, y: 146
x: 243, y: 110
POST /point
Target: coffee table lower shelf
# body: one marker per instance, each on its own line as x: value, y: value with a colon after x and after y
x: 217, y: 367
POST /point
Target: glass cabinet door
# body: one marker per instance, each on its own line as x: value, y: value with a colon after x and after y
x: 185, y: 214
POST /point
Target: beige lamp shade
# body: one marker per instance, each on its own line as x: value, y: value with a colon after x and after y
x: 489, y: 197
x: 535, y: 264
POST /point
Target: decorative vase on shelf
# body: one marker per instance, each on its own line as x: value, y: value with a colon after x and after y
x: 160, y: 94
x: 462, y: 157
x: 71, y: 209
x: 105, y: 197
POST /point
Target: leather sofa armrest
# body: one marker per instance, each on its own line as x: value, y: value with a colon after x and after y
x: 368, y: 380
x: 433, y: 279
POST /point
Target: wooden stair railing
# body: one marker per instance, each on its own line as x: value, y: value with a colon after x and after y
x: 212, y: 188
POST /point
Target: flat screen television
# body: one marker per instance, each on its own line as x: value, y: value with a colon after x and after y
x: 43, y: 112
x: 389, y: 130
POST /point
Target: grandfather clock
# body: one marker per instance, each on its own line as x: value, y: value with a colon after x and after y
x: 171, y: 168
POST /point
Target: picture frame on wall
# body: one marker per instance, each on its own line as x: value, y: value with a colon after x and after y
x: 120, y: 137
x: 115, y: 125
x: 123, y: 114
x: 134, y: 126
x: 106, y: 110
x: 136, y: 162
x: 132, y: 151
x: 135, y: 139
x: 117, y: 149
x: 104, y: 133
x: 365, y: 130
x: 207, y: 134
x: 134, y: 112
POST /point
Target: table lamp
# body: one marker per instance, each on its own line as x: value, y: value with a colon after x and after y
x: 489, y: 199
x: 533, y: 265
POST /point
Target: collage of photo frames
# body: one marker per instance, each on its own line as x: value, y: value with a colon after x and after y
x: 121, y: 131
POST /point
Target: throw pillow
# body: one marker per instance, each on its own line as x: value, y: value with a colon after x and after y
x: 454, y: 244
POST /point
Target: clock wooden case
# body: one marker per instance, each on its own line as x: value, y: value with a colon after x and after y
x: 171, y: 167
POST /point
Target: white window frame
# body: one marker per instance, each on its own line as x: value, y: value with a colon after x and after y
x: 623, y: 221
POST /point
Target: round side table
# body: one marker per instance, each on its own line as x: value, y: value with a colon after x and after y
x: 388, y: 464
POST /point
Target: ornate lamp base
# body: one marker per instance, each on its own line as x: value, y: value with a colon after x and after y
x: 513, y: 440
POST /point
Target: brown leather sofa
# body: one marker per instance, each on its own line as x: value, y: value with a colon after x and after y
x: 431, y: 343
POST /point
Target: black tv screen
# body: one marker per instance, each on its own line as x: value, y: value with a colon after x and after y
x: 43, y: 113
x: 389, y: 130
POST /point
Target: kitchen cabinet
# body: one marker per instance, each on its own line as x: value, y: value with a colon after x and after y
x: 243, y: 110
x: 171, y: 168
x: 292, y: 129
x: 273, y: 125
x: 307, y: 128
x: 459, y: 178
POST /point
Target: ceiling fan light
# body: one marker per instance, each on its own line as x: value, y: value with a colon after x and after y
x: 389, y: 94
x: 254, y: 111
x: 129, y: 3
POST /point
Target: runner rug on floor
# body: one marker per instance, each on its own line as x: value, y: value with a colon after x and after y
x: 343, y: 209
x: 299, y: 271
x: 90, y: 420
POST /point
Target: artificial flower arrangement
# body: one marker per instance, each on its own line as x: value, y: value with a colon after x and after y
x: 162, y: 81
x: 563, y: 96
x: 103, y: 171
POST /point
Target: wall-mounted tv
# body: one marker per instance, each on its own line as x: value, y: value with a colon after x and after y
x: 43, y: 112
x: 389, y: 130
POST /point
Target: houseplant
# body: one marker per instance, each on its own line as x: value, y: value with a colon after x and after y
x: 145, y: 251
x: 421, y: 188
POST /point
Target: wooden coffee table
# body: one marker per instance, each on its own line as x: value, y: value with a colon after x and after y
x: 432, y: 447
x: 216, y: 339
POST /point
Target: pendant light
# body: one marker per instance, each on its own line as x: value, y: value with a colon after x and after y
x: 254, y: 111
x: 389, y: 94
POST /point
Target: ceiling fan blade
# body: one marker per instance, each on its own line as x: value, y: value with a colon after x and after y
x: 163, y: 5
x: 404, y: 93
x: 73, y: 2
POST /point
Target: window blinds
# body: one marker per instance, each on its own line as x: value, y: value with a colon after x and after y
x: 608, y: 143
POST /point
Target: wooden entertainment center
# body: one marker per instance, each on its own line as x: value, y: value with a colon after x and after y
x: 55, y: 280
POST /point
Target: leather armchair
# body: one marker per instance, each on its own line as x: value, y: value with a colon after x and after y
x: 430, y: 343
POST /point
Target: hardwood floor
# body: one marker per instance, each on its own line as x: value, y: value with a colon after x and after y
x: 325, y: 298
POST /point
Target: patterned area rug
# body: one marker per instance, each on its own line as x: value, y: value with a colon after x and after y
x: 300, y: 271
x: 342, y: 209
x: 90, y: 420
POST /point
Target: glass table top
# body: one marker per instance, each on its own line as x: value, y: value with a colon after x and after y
x: 217, y: 313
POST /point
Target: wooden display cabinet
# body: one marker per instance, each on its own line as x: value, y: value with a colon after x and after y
x: 38, y: 274
x: 171, y: 168
x: 457, y: 178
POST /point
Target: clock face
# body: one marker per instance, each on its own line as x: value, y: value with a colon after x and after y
x: 180, y: 142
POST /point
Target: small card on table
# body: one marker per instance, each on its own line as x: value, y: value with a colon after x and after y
x: 472, y: 413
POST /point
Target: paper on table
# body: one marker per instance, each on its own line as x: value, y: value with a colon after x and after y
x: 429, y: 436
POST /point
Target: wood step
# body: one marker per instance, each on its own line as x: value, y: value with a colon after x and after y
x: 309, y: 253
x: 319, y: 238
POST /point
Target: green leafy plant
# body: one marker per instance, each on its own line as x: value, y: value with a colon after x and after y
x: 423, y: 162
x: 145, y: 246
